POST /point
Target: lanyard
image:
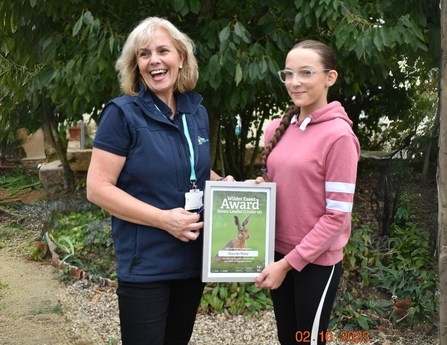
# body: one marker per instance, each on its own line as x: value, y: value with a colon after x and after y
x: 192, y: 177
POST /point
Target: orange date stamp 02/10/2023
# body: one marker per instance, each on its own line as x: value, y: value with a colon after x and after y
x: 348, y: 337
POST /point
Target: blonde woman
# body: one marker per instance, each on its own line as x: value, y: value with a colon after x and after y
x: 150, y: 161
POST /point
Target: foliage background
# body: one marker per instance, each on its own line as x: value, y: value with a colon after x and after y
x: 57, y: 63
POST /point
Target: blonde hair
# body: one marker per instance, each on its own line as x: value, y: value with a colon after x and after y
x: 126, y: 65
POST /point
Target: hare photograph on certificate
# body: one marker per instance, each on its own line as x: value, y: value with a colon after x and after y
x: 239, y: 230
x: 228, y: 251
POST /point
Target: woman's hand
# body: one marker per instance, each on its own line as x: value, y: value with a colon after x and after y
x: 273, y: 275
x: 181, y: 224
x: 215, y: 177
x: 258, y: 180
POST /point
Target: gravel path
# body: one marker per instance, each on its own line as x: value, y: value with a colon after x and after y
x: 94, y: 309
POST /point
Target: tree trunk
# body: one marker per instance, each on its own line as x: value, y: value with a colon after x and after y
x: 60, y: 145
x: 442, y: 181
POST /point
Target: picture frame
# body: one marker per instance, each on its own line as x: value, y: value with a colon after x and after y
x: 239, y: 230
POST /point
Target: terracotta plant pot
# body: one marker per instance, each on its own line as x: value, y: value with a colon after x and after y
x: 74, y: 132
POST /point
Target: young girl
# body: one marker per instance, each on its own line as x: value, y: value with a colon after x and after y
x: 311, y: 154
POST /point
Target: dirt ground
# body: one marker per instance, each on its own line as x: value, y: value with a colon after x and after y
x: 29, y: 309
x: 30, y: 312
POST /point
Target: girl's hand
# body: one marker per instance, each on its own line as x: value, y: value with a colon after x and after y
x: 273, y: 275
x: 258, y: 180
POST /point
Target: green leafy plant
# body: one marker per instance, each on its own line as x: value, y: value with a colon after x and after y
x: 235, y: 298
x: 64, y: 244
x: 85, y: 238
x: 409, y: 271
x: 360, y: 255
x: 354, y: 310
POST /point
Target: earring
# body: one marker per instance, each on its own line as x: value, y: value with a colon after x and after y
x: 181, y: 66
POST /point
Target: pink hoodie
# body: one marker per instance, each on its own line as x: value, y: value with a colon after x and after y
x: 314, y: 166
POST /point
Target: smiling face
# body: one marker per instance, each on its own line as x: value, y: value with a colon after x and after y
x: 159, y: 64
x: 312, y: 94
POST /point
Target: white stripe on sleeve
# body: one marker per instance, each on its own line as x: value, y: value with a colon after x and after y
x: 340, y: 187
x: 341, y: 206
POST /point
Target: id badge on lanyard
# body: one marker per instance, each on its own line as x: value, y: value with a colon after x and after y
x: 193, y: 199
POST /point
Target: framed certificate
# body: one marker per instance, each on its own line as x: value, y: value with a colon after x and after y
x: 239, y: 230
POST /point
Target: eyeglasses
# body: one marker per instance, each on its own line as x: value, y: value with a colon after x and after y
x: 304, y: 75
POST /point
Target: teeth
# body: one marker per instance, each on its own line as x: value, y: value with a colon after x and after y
x: 159, y: 71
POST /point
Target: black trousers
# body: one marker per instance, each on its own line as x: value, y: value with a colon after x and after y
x: 159, y: 313
x: 303, y: 303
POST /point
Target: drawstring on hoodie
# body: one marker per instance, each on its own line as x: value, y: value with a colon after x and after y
x: 305, y: 123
